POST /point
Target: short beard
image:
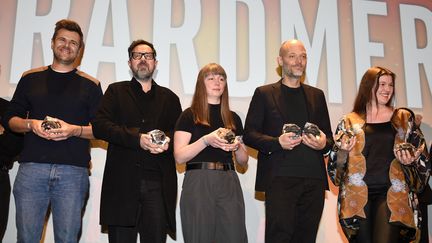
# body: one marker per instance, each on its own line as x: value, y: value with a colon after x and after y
x: 293, y: 76
x: 287, y: 73
x: 142, y: 76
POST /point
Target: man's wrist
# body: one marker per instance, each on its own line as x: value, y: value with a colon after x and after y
x: 80, y: 131
x: 28, y: 124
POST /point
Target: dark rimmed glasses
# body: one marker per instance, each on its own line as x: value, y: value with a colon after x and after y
x: 139, y: 55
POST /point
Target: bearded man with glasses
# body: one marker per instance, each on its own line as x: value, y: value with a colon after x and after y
x: 137, y: 119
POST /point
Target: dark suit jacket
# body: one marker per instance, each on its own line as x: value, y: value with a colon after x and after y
x: 119, y: 122
x: 266, y: 116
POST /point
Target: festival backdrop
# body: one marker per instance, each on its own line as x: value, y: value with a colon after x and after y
x: 342, y: 37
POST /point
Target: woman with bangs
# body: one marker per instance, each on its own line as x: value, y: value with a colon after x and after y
x: 208, y: 139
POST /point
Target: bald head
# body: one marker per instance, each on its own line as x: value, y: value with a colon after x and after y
x: 292, y: 59
x: 289, y: 44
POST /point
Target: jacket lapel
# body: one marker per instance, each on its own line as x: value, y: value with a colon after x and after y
x: 279, y: 100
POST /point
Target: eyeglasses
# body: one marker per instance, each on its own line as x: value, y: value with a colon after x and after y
x: 139, y: 55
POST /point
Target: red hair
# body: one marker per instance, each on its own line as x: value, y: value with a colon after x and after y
x: 200, y: 107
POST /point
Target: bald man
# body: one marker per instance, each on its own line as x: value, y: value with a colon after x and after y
x: 291, y: 169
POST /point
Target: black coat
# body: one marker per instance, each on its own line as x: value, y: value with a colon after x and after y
x: 266, y: 116
x: 119, y: 121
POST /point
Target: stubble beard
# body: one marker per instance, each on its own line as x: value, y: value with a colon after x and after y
x: 64, y: 61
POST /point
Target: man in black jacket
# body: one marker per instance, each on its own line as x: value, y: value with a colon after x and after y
x: 139, y: 186
x: 291, y: 168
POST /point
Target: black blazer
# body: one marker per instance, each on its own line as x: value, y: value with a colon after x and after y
x: 119, y: 122
x: 266, y: 116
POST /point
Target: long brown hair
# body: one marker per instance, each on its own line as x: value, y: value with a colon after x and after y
x: 199, y: 106
x: 369, y: 82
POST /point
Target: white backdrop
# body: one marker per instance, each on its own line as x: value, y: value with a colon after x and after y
x: 343, y: 39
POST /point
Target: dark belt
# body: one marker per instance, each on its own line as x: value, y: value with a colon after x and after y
x: 209, y: 166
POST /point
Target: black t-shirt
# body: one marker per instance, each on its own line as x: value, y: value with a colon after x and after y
x: 296, y: 104
x: 209, y: 154
x: 378, y: 152
x: 301, y: 161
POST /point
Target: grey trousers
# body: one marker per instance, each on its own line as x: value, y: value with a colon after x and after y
x: 212, y: 207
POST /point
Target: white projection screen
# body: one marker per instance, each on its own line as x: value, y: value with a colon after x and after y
x: 343, y: 38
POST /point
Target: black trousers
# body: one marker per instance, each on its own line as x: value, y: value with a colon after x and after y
x: 293, y: 209
x: 424, y: 238
x: 5, y: 190
x: 151, y: 218
x: 376, y: 227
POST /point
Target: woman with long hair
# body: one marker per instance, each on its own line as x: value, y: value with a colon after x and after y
x: 376, y: 164
x: 208, y: 139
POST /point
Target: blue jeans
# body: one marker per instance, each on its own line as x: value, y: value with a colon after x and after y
x: 37, y: 186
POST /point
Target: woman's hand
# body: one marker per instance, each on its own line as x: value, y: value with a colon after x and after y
x: 213, y: 139
x: 405, y: 157
x: 346, y: 143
